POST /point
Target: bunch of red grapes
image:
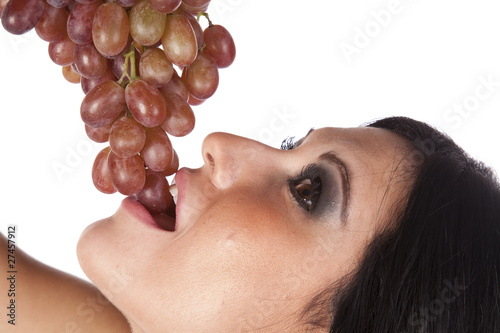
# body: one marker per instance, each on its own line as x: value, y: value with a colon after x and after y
x: 123, y: 54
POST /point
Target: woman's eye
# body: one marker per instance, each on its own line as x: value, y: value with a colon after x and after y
x: 306, y: 189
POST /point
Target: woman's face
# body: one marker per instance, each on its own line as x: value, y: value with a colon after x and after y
x: 259, y: 232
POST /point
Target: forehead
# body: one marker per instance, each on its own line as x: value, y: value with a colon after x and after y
x: 369, y: 139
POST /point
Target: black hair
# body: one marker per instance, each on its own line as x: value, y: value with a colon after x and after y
x: 438, y: 268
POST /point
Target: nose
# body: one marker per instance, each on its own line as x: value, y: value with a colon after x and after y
x: 227, y: 156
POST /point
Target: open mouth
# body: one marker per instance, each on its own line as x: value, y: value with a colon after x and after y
x: 159, y: 206
x: 156, y: 203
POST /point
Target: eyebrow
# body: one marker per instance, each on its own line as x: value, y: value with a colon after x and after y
x: 331, y: 157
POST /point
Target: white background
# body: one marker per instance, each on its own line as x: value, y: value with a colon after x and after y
x: 420, y: 61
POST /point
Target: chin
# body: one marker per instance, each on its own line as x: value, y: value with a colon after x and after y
x: 91, y: 245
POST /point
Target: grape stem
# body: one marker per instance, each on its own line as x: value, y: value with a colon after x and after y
x: 129, y: 61
x: 200, y: 14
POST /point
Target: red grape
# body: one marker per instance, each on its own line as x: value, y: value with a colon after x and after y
x: 165, y: 6
x: 62, y: 51
x: 179, y: 40
x: 85, y: 1
x: 3, y: 3
x: 59, y: 3
x: 219, y: 45
x: 157, y: 153
x: 198, y: 31
x: 20, y: 16
x: 202, y: 77
x: 88, y: 84
x: 194, y: 101
x: 180, y: 117
x: 126, y: 3
x: 52, y: 24
x: 103, y: 104
x: 166, y: 220
x: 197, y: 3
x: 127, y: 174
x: 70, y: 74
x: 100, y: 172
x: 146, y: 24
x: 155, y: 67
x: 195, y: 6
x: 176, y: 85
x: 79, y: 22
x: 110, y: 29
x: 155, y: 195
x: 173, y: 167
x: 98, y: 134
x: 127, y: 137
x: 89, y: 62
x: 145, y: 103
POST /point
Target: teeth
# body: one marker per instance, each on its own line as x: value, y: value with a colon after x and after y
x: 173, y: 190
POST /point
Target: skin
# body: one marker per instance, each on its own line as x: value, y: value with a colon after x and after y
x: 47, y: 300
x: 246, y: 256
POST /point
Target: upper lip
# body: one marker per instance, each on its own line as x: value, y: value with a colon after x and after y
x: 191, y: 196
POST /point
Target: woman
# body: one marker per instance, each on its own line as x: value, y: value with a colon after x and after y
x: 384, y: 228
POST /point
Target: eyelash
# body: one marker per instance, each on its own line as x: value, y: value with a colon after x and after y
x: 312, y: 174
x: 288, y: 143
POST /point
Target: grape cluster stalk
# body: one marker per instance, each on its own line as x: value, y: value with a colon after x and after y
x: 127, y: 56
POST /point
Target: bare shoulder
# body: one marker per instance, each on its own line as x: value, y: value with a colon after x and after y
x: 39, y: 298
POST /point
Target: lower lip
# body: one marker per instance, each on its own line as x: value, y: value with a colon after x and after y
x: 134, y: 208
